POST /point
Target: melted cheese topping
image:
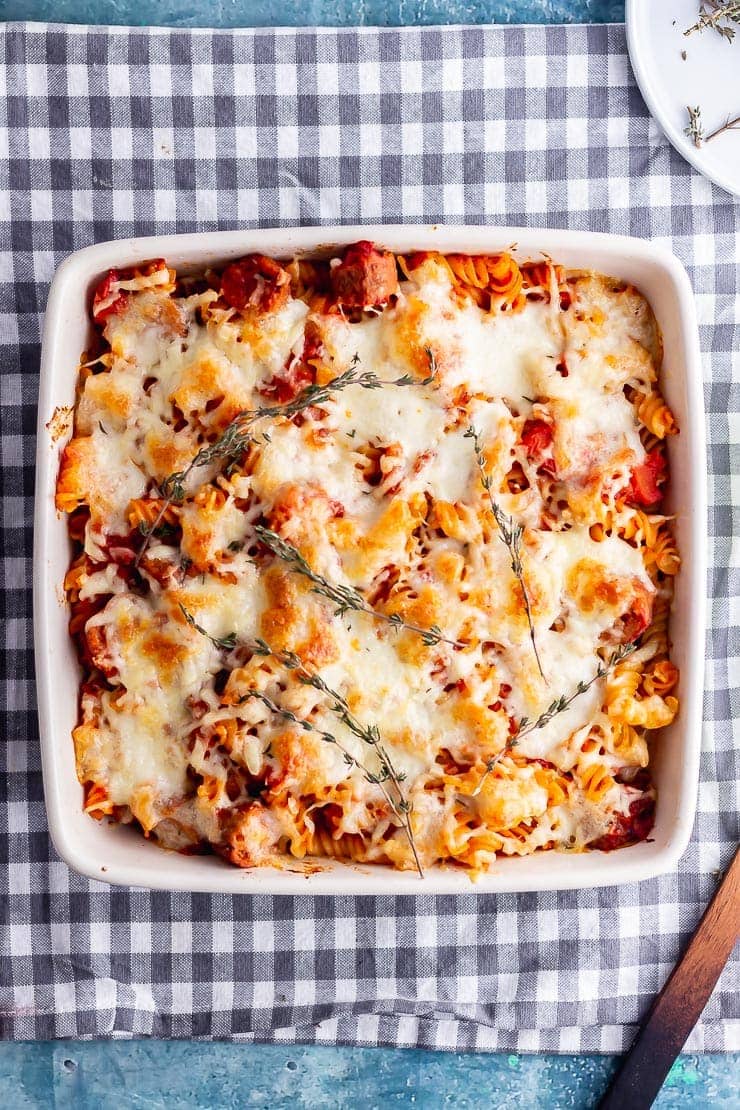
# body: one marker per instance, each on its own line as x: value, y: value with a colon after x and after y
x: 203, y: 724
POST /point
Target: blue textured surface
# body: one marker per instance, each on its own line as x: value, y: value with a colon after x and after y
x: 334, y: 13
x: 177, y: 1074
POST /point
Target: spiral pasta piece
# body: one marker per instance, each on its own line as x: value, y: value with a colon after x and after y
x: 97, y: 802
x: 596, y: 781
x: 146, y: 511
x: 625, y: 741
x: 556, y: 785
x: 224, y: 732
x: 649, y: 440
x: 655, y: 414
x: 664, y: 552
x: 639, y: 527
x: 458, y: 521
x: 661, y: 678
x: 621, y: 693
x: 656, y: 636
x: 491, y: 281
x: 75, y: 577
x: 322, y: 843
x: 309, y: 280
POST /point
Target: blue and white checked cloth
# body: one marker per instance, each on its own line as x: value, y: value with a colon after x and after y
x: 107, y: 133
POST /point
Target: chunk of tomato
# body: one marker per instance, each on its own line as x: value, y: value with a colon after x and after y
x: 536, y: 436
x: 105, y: 303
x: 644, y: 484
x: 537, y: 439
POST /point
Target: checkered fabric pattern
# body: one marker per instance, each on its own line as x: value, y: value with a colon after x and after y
x: 109, y: 133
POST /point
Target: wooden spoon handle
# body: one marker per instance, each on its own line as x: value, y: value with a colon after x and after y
x: 677, y: 1008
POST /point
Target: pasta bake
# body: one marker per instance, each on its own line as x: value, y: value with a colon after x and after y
x: 369, y: 560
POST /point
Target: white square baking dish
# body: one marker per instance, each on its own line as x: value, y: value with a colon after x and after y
x: 117, y: 854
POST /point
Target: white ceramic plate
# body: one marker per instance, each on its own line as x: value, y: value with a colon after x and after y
x: 708, y: 77
x: 118, y: 854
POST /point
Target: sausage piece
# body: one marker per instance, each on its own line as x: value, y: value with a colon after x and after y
x: 365, y: 277
x: 257, y: 281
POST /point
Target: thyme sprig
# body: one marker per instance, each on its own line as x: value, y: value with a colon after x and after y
x: 557, y: 706
x: 695, y: 128
x: 728, y: 125
x: 345, y: 598
x: 510, y: 533
x: 238, y: 435
x: 716, y: 15
x: 369, y: 734
x: 374, y: 778
x: 223, y: 643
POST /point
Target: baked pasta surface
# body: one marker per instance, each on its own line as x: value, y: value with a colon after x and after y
x: 369, y: 559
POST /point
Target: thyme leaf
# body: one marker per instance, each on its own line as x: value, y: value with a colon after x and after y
x: 511, y: 534
x: 345, y: 598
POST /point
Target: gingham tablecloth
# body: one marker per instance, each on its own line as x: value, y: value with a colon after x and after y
x: 113, y: 132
